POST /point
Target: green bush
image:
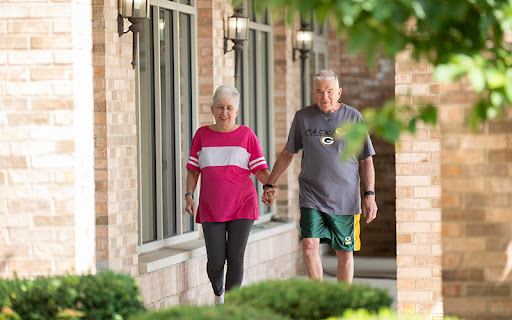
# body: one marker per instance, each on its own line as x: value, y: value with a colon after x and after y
x: 382, y: 314
x: 231, y: 312
x: 302, y: 299
x: 106, y: 295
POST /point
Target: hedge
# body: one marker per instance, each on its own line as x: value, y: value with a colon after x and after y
x: 303, y: 299
x: 382, y: 314
x: 105, y: 295
x: 223, y: 312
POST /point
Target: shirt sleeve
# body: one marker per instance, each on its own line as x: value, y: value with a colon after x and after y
x: 367, y: 149
x: 294, y: 143
x: 256, y: 159
x: 193, y: 159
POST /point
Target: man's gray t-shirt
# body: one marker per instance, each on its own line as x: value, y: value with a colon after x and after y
x: 325, y: 183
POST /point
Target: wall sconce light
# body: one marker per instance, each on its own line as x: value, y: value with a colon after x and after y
x: 303, y: 41
x: 238, y: 32
x: 136, y: 11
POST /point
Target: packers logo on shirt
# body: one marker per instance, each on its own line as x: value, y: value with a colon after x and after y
x: 327, y: 140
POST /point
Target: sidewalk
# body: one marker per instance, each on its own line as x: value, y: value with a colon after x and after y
x: 374, y: 272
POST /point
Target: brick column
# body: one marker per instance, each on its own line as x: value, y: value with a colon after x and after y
x: 477, y: 215
x: 46, y: 142
x: 418, y: 214
x: 115, y: 142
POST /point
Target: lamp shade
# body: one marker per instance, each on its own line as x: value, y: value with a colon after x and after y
x: 237, y: 28
x: 304, y: 40
x: 138, y: 9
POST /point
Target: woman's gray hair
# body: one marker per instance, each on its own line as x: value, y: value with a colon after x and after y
x: 326, y: 75
x: 225, y: 91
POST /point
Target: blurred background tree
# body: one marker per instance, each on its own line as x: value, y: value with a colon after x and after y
x: 461, y: 38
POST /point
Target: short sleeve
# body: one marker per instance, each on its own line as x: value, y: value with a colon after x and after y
x: 367, y: 149
x: 294, y: 143
x: 193, y: 159
x: 256, y: 159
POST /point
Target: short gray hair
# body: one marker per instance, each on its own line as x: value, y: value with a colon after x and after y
x: 225, y: 91
x: 326, y: 75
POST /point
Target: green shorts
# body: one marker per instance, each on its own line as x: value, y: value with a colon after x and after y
x: 340, y: 232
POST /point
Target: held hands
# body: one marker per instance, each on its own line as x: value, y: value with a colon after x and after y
x: 269, y: 195
x: 191, y: 205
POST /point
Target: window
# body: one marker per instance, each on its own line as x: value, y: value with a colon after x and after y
x: 317, y: 61
x: 166, y: 121
x: 256, y: 84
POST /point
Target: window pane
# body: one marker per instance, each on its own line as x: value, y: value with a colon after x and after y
x: 188, y: 2
x: 322, y: 61
x: 253, y: 77
x: 265, y: 102
x: 147, y: 145
x: 186, y: 107
x: 168, y: 127
x: 239, y: 84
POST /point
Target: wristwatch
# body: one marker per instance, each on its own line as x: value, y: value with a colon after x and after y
x: 189, y: 194
x: 265, y: 186
x: 369, y: 193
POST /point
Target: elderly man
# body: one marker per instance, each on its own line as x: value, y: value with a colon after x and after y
x: 329, y: 199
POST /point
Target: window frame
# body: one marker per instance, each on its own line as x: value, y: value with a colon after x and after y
x: 320, y: 46
x: 259, y: 26
x: 175, y: 8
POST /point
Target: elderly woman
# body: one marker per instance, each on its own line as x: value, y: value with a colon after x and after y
x: 225, y: 154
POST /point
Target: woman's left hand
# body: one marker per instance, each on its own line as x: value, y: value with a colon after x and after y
x: 191, y: 206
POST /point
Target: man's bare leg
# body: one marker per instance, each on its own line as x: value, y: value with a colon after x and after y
x: 345, y: 270
x: 311, y: 258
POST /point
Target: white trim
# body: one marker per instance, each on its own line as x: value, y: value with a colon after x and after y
x: 253, y: 161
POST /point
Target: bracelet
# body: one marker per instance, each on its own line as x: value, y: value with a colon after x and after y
x: 265, y: 186
x: 369, y: 193
x: 189, y: 194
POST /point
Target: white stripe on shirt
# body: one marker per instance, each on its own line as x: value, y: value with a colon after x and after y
x: 223, y: 156
x: 256, y: 160
x: 258, y: 164
x: 193, y: 163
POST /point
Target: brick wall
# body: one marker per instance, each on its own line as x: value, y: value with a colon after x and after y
x: 365, y: 87
x: 477, y: 216
x: 418, y: 215
x: 46, y: 166
x: 115, y: 142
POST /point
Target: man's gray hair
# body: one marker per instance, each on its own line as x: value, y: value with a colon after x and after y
x: 326, y: 75
x: 225, y: 91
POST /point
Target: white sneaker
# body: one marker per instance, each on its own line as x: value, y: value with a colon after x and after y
x: 219, y: 299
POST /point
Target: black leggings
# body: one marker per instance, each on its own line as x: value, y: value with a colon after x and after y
x: 220, y: 248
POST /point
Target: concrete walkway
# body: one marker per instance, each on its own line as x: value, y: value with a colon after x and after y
x: 374, y: 272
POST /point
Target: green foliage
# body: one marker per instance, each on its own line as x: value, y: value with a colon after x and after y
x: 382, y: 314
x: 106, y: 295
x: 464, y: 38
x: 387, y: 122
x: 227, y: 311
x: 308, y: 299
